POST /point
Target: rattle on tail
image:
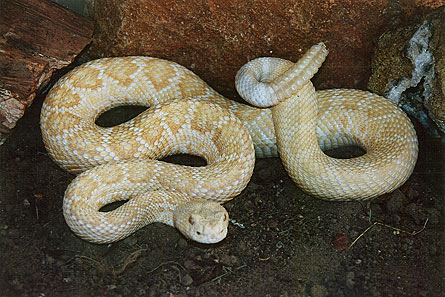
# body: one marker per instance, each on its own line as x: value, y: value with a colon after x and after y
x: 119, y: 163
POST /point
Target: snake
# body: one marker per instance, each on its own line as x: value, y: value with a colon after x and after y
x: 285, y: 117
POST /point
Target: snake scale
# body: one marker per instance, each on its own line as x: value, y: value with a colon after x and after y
x: 187, y: 116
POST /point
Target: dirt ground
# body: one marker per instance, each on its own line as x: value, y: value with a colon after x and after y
x: 281, y: 242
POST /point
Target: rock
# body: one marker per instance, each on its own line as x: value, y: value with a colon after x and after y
x: 188, y: 264
x: 186, y: 280
x: 408, y: 68
x: 242, y: 246
x: 182, y: 244
x: 350, y: 276
x: 230, y: 260
x: 215, y: 38
x: 154, y: 290
x: 37, y: 38
x: 416, y: 212
x: 394, y: 219
x: 396, y: 201
x: 433, y: 215
x: 411, y: 193
x: 376, y: 210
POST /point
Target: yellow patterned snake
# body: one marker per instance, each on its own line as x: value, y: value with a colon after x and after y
x: 187, y: 116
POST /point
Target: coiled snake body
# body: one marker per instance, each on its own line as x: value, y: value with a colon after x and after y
x: 187, y: 116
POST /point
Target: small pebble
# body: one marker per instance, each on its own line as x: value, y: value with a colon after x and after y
x: 318, y: 290
x: 242, y: 246
x: 433, y: 250
x: 188, y: 264
x: 253, y: 187
x: 411, y: 193
x: 350, y: 279
x: 26, y: 203
x: 416, y: 213
x: 394, y: 219
x: 433, y: 216
x: 186, y: 280
x: 395, y: 202
x: 154, y: 290
x: 182, y: 243
x: 141, y: 292
x: 13, y: 233
x: 376, y: 210
x: 50, y: 260
x: 404, y: 247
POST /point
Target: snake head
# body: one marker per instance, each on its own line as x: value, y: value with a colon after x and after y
x: 204, y: 222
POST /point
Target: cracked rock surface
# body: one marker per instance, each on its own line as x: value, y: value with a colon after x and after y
x: 409, y: 68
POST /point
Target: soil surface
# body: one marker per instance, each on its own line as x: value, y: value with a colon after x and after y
x: 281, y: 242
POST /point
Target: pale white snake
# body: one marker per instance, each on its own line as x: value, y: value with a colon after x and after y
x: 199, y: 121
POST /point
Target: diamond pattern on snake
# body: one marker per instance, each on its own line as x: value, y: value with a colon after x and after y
x: 287, y: 117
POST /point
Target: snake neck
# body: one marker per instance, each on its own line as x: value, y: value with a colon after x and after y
x: 297, y: 123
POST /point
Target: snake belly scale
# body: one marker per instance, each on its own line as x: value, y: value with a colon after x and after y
x: 187, y: 116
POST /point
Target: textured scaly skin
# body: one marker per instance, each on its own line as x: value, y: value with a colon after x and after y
x: 154, y: 188
x: 344, y: 117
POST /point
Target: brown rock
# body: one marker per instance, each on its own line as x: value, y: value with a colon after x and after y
x: 215, y: 38
x: 437, y: 101
x: 409, y: 62
x: 37, y: 37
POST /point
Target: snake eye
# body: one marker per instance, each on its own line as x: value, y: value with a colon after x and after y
x: 225, y: 217
x: 191, y: 220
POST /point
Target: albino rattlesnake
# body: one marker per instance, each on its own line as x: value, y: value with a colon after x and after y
x: 204, y: 125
